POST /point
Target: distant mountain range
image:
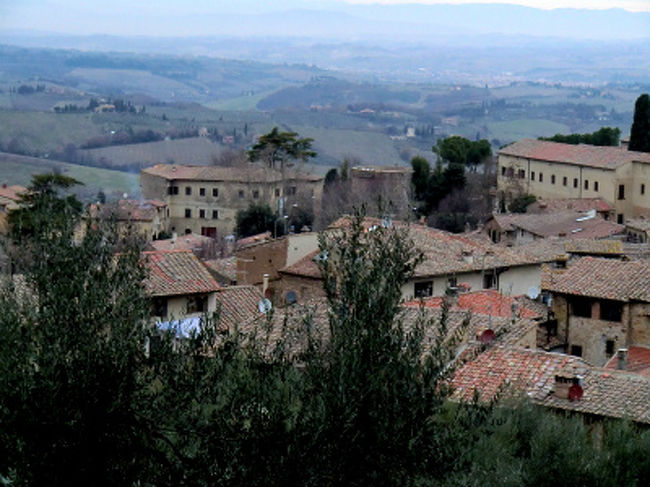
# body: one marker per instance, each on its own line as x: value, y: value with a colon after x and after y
x: 336, y: 21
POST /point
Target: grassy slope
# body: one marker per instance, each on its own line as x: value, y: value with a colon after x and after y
x: 196, y: 150
x: 47, y: 131
x: 19, y: 170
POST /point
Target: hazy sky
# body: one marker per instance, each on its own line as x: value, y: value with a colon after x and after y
x: 634, y: 5
x: 188, y: 17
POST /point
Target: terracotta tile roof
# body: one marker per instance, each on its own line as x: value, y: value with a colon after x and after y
x: 566, y: 223
x: 253, y: 239
x: 575, y: 204
x: 447, y: 253
x: 250, y: 173
x: 191, y: 241
x: 641, y: 223
x: 498, y: 367
x: 595, y: 247
x: 130, y: 210
x: 638, y: 361
x: 608, y: 393
x: 502, y: 369
x: 176, y: 272
x: 505, y: 221
x: 12, y: 192
x: 487, y: 302
x: 291, y: 320
x: 226, y: 267
x: 238, y: 304
x: 580, y: 155
x: 305, y: 267
x: 603, y: 278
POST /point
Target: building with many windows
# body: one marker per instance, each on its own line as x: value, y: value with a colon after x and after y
x: 553, y: 170
x: 206, y: 199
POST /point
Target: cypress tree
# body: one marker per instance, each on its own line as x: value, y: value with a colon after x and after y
x: 640, y: 131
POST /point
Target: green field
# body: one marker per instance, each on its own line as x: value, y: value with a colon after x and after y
x: 369, y: 148
x: 526, y: 128
x: 19, y: 170
x: 43, y: 132
x: 195, y: 150
x: 243, y: 103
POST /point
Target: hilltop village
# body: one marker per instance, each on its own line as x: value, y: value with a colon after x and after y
x: 558, y: 294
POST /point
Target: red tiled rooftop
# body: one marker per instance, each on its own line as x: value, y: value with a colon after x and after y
x: 567, y: 223
x: 176, y: 272
x: 498, y: 367
x: 638, y: 361
x: 607, y: 393
x: 581, y: 154
x: 238, y: 304
x: 249, y: 173
x: 12, y: 192
x: 447, y: 253
x: 131, y: 210
x: 488, y: 302
x: 191, y: 241
x: 603, y: 278
x: 305, y: 267
x: 254, y: 239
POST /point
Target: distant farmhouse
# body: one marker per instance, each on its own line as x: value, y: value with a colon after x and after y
x: 206, y: 199
x: 553, y: 170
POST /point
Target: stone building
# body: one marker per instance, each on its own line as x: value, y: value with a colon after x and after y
x: 601, y: 305
x: 146, y: 218
x: 553, y: 170
x: 206, y: 199
x: 392, y: 184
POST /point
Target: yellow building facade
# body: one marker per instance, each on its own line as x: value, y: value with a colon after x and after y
x: 553, y: 170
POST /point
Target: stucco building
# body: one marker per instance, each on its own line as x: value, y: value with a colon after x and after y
x: 553, y: 170
x: 206, y: 199
x: 450, y: 260
x: 179, y: 286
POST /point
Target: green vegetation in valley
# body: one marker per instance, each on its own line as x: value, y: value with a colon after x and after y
x: 607, y: 136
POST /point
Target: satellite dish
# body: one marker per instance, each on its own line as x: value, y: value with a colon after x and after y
x: 264, y: 305
x: 321, y: 256
x: 533, y: 292
x: 575, y: 392
x: 291, y: 297
x: 487, y: 336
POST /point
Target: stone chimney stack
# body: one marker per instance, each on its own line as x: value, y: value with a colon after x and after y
x: 265, y: 284
x: 622, y: 359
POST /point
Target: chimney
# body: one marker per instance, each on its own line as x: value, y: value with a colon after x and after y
x: 622, y: 359
x: 265, y: 284
x: 468, y: 257
x: 563, y: 383
x: 568, y: 385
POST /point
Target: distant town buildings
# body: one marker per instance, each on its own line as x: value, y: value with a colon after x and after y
x: 205, y: 199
